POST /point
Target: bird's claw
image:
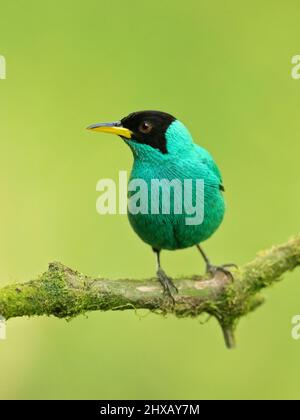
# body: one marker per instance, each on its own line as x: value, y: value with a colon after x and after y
x: 213, y: 269
x: 229, y: 265
x: 169, y: 287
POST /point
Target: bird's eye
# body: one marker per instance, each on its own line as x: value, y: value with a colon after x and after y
x: 145, y: 127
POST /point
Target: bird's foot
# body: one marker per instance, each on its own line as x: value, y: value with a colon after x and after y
x: 213, y: 269
x: 169, y: 287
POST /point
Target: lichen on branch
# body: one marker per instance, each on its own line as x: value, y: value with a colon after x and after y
x: 65, y: 293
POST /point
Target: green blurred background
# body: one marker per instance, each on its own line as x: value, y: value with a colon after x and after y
x: 224, y: 68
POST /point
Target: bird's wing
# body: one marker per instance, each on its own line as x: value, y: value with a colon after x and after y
x: 207, y: 159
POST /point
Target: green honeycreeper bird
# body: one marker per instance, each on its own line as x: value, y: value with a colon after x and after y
x: 164, y: 149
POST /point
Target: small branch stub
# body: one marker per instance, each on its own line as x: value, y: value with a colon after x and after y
x: 229, y: 338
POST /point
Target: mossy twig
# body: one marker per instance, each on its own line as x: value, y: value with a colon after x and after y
x: 65, y: 293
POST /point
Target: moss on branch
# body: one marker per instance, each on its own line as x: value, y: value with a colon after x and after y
x: 65, y: 293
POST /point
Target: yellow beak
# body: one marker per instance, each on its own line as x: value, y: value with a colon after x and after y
x: 112, y: 128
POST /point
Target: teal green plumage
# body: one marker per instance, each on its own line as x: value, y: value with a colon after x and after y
x: 164, y: 152
x: 184, y: 160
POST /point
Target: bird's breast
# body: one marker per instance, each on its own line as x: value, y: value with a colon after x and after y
x: 174, y: 206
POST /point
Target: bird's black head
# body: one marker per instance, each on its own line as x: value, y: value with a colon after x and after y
x: 144, y: 127
x: 149, y: 127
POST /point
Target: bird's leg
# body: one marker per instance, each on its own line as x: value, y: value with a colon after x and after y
x: 167, y: 284
x: 212, y: 269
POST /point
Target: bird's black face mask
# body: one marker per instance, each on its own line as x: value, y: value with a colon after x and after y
x: 145, y: 127
x: 149, y: 127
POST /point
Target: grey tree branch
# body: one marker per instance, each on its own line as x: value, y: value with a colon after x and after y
x: 65, y: 293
